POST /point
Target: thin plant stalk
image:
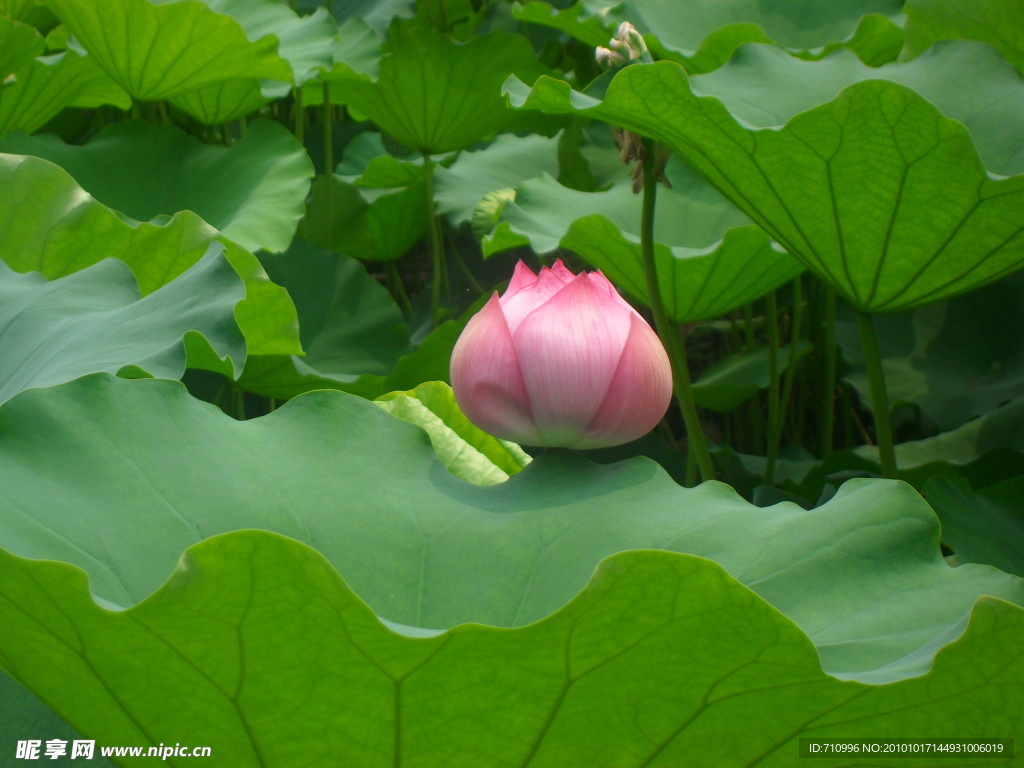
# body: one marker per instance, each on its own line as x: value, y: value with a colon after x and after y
x: 827, y: 418
x: 329, y: 163
x: 879, y: 395
x: 398, y: 288
x: 787, y: 388
x: 697, y: 444
x: 436, y: 243
x: 772, y: 326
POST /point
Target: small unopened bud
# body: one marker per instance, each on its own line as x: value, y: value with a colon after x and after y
x: 608, y: 58
x: 629, y: 37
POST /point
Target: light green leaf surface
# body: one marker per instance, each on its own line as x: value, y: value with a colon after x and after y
x: 710, y: 259
x: 256, y: 647
x: 46, y: 85
x: 733, y: 380
x: 435, y: 95
x: 999, y: 23
x: 94, y: 320
x: 253, y: 191
x: 307, y: 43
x: 575, y: 20
x: 876, y: 191
x: 764, y: 87
x: 158, y: 50
x: 861, y: 575
x: 506, y: 163
x: 51, y: 225
x: 351, y: 329
x: 955, y: 360
x: 985, y: 526
x: 19, y: 44
x: 466, y: 451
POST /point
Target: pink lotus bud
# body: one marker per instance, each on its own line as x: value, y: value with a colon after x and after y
x: 561, y: 360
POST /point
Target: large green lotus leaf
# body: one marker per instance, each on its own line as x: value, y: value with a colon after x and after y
x: 307, y: 43
x: 876, y: 191
x: 702, y: 34
x: 955, y: 359
x: 436, y: 95
x: 253, y: 191
x: 256, y: 647
x: 985, y: 526
x: 999, y: 23
x: 351, y: 329
x: 710, y: 259
x: 503, y: 164
x: 967, y: 81
x: 158, y: 50
x: 366, y: 224
x: 465, y: 450
x: 862, y: 575
x: 19, y: 44
x: 23, y: 713
x: 95, y: 320
x: 44, y: 86
x: 49, y: 224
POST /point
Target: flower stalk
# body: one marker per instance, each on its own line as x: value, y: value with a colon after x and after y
x: 697, y: 444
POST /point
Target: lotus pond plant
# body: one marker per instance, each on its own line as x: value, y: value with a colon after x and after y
x: 733, y: 463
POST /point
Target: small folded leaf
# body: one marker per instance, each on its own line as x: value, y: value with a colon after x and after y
x: 465, y: 450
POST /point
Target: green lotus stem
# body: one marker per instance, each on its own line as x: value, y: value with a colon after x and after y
x: 697, y: 444
x: 242, y: 127
x: 329, y: 163
x: 299, y: 116
x: 436, y: 244
x: 828, y: 409
x: 399, y: 288
x: 879, y: 396
x: 162, y: 109
x: 787, y: 388
x: 772, y: 323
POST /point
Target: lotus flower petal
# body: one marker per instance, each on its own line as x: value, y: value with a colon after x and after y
x: 568, y: 351
x: 486, y: 379
x: 639, y: 393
